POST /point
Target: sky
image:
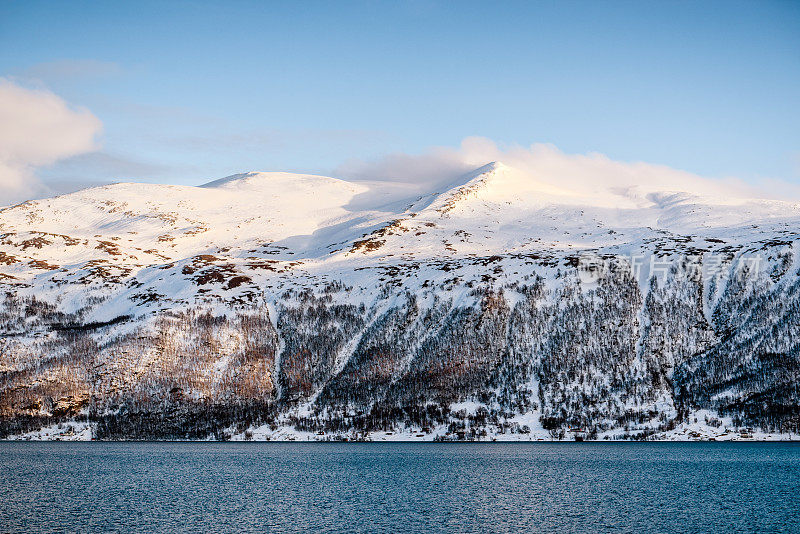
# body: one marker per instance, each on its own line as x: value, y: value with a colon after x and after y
x: 186, y: 92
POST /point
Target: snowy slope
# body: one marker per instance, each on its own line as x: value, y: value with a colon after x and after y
x: 117, y: 232
x: 127, y: 255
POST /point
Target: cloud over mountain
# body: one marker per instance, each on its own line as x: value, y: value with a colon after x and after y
x: 590, y: 175
x: 38, y: 128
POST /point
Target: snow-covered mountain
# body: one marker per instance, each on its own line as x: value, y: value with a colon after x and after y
x: 504, y: 305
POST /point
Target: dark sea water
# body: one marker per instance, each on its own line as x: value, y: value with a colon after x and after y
x: 405, y: 487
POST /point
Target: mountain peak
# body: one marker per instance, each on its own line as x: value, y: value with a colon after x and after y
x: 491, y: 166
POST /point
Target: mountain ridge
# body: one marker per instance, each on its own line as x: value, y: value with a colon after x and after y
x: 287, y: 305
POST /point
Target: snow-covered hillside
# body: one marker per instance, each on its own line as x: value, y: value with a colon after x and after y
x: 503, y: 304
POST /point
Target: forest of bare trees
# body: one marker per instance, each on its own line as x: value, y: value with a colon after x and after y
x: 609, y: 357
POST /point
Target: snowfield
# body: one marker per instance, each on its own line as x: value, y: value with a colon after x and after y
x: 501, y: 306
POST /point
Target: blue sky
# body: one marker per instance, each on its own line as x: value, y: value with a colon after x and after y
x: 191, y: 91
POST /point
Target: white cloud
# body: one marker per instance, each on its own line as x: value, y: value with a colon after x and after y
x: 37, y: 128
x: 435, y: 166
x: 586, y: 176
